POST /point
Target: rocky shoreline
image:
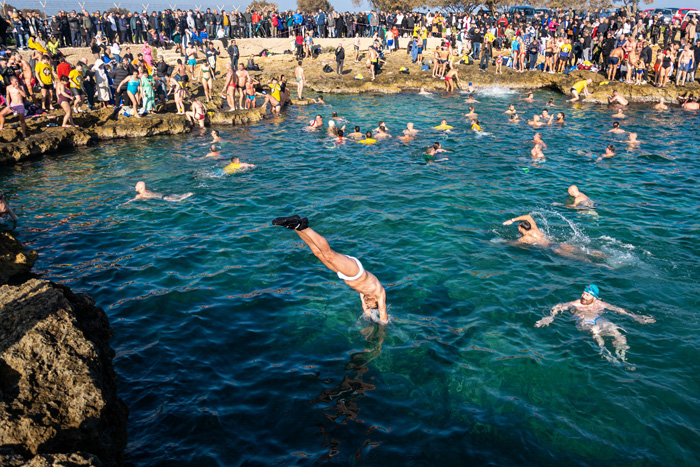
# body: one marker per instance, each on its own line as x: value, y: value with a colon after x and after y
x: 58, y: 389
x: 105, y: 124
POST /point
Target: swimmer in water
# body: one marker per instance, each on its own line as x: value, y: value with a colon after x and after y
x: 236, y: 166
x: 538, y: 140
x: 561, y: 118
x: 144, y: 194
x: 688, y: 103
x: 616, y: 129
x: 319, y: 100
x: 339, y: 138
x: 471, y: 113
x: 550, y: 103
x: 382, y: 133
x: 431, y: 151
x: 372, y: 294
x: 545, y: 116
x: 617, y: 98
x: 532, y: 235
x: 529, y: 97
x: 619, y: 114
x: 316, y: 123
x: 661, y: 105
x: 609, y: 152
x: 633, y: 141
x: 587, y: 311
x: 511, y: 110
x: 470, y: 100
x: 437, y: 147
x: 410, y: 131
x: 423, y: 92
x: 356, y: 134
x: 536, y: 122
x: 215, y: 136
x: 5, y: 209
x: 381, y: 124
x: 579, y: 198
x: 213, y: 152
x: 514, y: 118
x: 470, y: 88
x: 536, y: 152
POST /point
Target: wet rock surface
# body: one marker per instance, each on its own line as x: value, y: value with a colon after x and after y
x: 15, y: 260
x: 58, y: 388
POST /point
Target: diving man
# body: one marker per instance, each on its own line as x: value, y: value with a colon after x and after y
x: 372, y: 294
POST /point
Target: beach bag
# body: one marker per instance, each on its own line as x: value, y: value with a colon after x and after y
x: 404, y: 71
x: 327, y: 69
x: 425, y: 68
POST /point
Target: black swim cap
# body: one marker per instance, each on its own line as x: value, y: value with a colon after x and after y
x: 525, y: 225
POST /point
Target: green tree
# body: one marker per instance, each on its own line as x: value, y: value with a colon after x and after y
x: 314, y: 5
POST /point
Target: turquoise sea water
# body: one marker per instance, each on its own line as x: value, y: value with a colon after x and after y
x: 236, y: 346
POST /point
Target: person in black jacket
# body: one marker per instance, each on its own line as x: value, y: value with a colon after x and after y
x: 118, y: 75
x: 339, y: 59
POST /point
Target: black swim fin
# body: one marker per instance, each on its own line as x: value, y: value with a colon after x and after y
x: 292, y: 222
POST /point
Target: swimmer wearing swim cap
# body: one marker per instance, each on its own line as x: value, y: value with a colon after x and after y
x: 588, y: 311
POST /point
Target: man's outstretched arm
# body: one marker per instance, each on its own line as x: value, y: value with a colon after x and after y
x: 643, y: 319
x: 547, y: 320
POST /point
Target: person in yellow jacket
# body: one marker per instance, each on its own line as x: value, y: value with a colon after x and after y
x: 45, y: 76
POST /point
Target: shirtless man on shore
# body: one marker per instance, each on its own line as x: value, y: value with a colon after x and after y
x: 15, y: 104
x: 191, y: 53
x: 579, y: 198
x: 372, y: 294
x: 587, y: 311
x: 614, y: 60
x: 27, y: 75
x: 617, y: 98
x: 144, y: 194
x: 243, y: 79
x: 684, y: 64
x: 451, y: 78
x: 301, y: 79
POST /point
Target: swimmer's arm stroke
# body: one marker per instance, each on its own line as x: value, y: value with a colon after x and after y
x: 642, y: 319
x: 526, y: 217
x: 547, y: 320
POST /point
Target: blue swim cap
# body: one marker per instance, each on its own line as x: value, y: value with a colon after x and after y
x: 592, y: 290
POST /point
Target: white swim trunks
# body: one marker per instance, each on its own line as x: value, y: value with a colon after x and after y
x: 356, y: 276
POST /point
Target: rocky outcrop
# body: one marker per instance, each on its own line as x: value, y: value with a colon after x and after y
x: 58, y: 394
x: 103, y: 124
x: 237, y: 117
x: 15, y: 260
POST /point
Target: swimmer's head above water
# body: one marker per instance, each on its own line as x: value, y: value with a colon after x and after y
x: 590, y: 294
x: 573, y: 191
x: 524, y: 226
x: 140, y: 187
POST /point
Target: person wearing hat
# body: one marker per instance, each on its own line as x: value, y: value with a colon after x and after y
x: 588, y: 312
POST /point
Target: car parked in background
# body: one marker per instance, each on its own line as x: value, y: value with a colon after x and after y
x: 682, y: 13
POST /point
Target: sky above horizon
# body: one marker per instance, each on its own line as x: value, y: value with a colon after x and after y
x: 341, y: 5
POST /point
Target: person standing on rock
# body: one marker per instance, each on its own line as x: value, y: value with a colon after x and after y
x: 44, y: 75
x: 614, y: 60
x: 349, y: 269
x: 15, y: 104
x: 191, y: 52
x: 339, y: 59
x: 301, y: 79
x: 243, y: 79
x: 234, y: 54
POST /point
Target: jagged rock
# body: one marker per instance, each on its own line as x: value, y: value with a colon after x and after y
x: 58, y: 400
x: 237, y: 117
x: 14, y: 258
